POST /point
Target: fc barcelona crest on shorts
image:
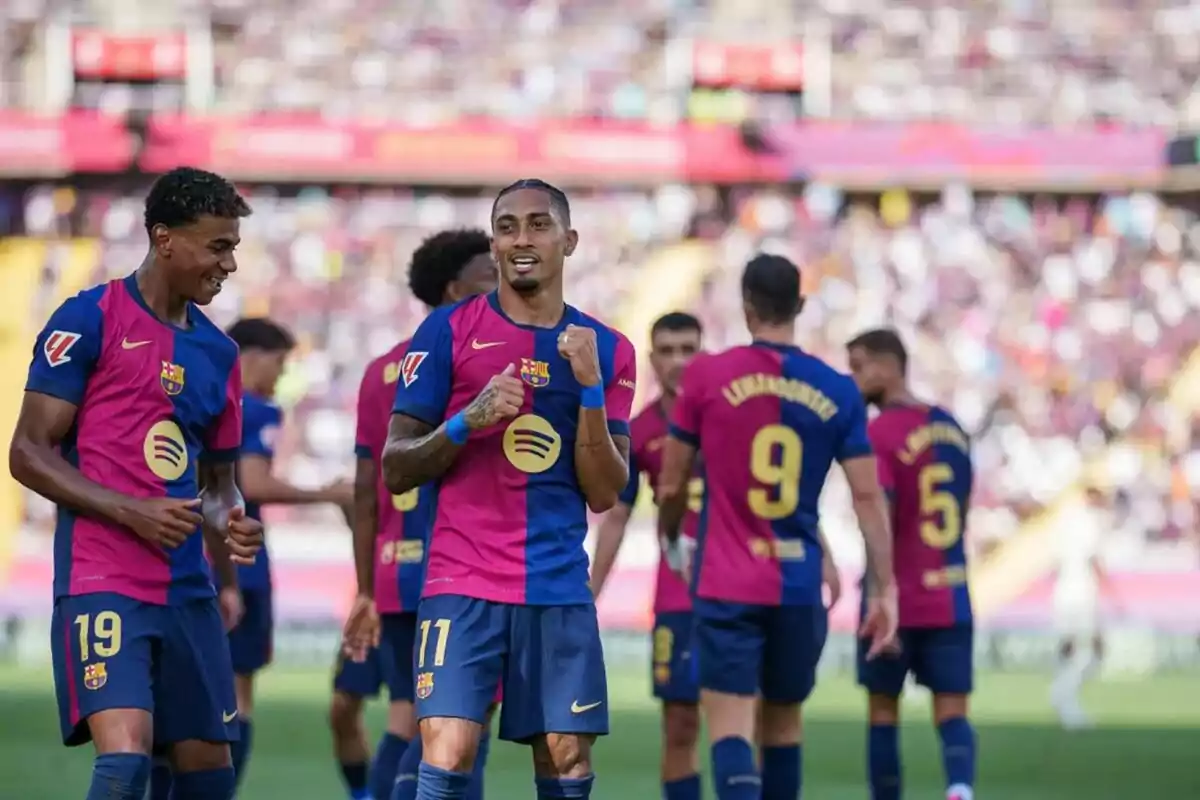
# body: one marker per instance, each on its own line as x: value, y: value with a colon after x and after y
x: 95, y: 676
x: 424, y: 685
x: 535, y: 373
x: 171, y: 378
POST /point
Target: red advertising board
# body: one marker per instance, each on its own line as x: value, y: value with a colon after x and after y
x: 101, y: 55
x: 81, y: 141
x: 775, y: 67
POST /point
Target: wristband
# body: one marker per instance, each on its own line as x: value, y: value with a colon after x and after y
x: 592, y: 396
x: 457, y: 429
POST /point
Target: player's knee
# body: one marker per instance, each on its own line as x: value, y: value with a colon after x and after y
x: 949, y: 706
x: 681, y: 726
x: 779, y: 724
x: 562, y: 755
x: 450, y: 743
x: 122, y: 730
x: 402, y: 719
x: 883, y: 709
x: 345, y: 714
x: 195, y: 755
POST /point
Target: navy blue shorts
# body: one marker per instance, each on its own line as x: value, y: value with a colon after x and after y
x: 252, y: 642
x: 940, y: 659
x: 673, y: 669
x: 748, y: 649
x: 390, y: 663
x: 547, y: 659
x: 111, y: 651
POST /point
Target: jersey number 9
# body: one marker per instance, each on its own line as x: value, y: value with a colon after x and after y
x: 100, y: 634
x: 941, y: 519
x: 776, y: 456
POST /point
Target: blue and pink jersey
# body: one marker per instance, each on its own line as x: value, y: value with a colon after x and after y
x: 925, y: 467
x: 261, y: 420
x: 769, y: 421
x: 153, y: 400
x: 511, y: 518
x: 404, y: 519
x: 648, y: 432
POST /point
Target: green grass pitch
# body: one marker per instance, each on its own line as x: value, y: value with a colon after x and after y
x: 1146, y: 746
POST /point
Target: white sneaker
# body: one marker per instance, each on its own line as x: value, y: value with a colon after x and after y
x: 960, y: 792
x: 1074, y: 718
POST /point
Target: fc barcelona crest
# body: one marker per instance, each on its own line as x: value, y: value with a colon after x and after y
x: 535, y: 373
x: 95, y: 676
x: 424, y: 685
x: 171, y: 378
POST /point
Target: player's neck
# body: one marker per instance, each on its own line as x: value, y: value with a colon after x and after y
x: 157, y: 296
x: 775, y: 334
x: 900, y: 396
x: 541, y: 309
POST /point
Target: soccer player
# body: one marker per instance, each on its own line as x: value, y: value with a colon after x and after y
x: 768, y: 420
x: 1077, y: 590
x: 131, y: 424
x: 924, y: 462
x: 390, y: 534
x: 519, y: 405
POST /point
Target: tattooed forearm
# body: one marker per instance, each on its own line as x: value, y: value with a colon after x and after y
x: 482, y: 410
x: 415, y: 454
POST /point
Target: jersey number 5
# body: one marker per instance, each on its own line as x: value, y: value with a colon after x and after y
x: 100, y: 634
x: 776, y: 456
x: 941, y: 520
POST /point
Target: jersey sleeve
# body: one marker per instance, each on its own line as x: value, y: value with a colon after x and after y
x: 261, y: 429
x: 629, y: 494
x: 685, y: 415
x: 362, y: 433
x: 225, y: 435
x: 67, y: 351
x: 618, y: 393
x: 426, y: 373
x: 854, y: 441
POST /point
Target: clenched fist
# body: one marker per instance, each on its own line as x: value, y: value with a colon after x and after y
x: 501, y: 399
x: 578, y: 346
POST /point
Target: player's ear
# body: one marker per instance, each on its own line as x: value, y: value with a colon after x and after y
x: 160, y: 240
x: 572, y: 241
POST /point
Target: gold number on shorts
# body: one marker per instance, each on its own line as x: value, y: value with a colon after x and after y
x: 696, y: 495
x: 405, y: 502
x: 100, y: 635
x: 776, y: 456
x: 439, y: 647
x: 664, y: 643
x: 941, y: 520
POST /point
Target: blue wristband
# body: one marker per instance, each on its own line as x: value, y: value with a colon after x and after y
x: 592, y: 396
x: 457, y: 430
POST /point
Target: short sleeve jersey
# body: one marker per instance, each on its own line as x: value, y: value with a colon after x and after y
x: 403, y: 519
x: 153, y: 400
x: 511, y: 517
x: 769, y: 421
x: 261, y: 421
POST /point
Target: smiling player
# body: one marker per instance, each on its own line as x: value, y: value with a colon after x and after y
x: 131, y: 424
x: 519, y: 405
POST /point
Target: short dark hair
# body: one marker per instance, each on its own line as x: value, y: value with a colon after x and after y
x: 676, y: 321
x: 260, y: 333
x: 771, y: 285
x: 440, y: 259
x: 183, y: 195
x: 881, y: 342
x: 558, y: 198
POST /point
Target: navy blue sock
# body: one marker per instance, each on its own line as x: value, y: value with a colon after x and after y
x: 475, y: 792
x: 734, y: 774
x: 441, y: 784
x: 781, y: 772
x: 883, y: 762
x: 682, y: 788
x: 209, y: 784
x: 355, y: 776
x: 958, y: 752
x: 160, y: 780
x: 382, y: 776
x: 564, y: 788
x: 119, y: 776
x: 405, y: 787
x: 239, y: 751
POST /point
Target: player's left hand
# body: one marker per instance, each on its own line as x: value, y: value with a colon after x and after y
x: 679, y: 556
x: 578, y: 346
x: 881, y: 622
x: 229, y: 602
x: 243, y: 536
x: 361, y: 631
x: 832, y: 580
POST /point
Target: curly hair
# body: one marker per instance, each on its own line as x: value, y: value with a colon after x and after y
x: 183, y: 195
x: 440, y: 260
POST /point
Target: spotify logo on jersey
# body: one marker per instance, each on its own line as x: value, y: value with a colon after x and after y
x: 165, y: 450
x: 531, y: 444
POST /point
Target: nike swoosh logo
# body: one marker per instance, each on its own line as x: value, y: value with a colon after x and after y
x: 478, y: 345
x: 228, y: 718
x: 128, y: 345
x: 578, y: 709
